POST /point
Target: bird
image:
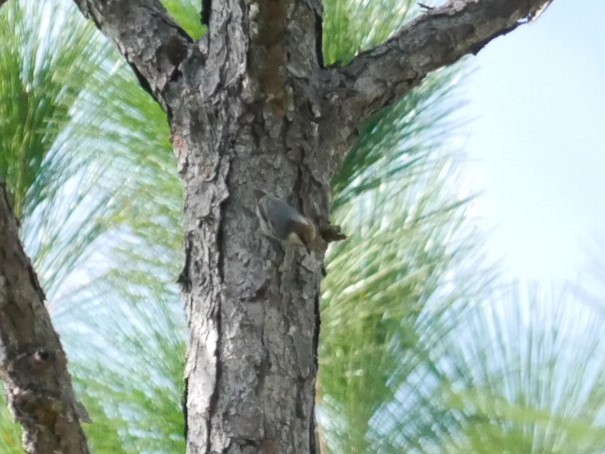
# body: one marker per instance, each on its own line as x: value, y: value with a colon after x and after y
x: 281, y: 221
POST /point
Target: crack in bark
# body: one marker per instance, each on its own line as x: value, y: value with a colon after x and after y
x: 206, y: 11
x: 316, y: 333
x: 184, y: 408
x: 319, y: 30
x: 184, y: 279
x: 217, y: 377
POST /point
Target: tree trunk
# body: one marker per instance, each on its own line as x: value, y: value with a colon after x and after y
x: 252, y: 303
x: 251, y: 106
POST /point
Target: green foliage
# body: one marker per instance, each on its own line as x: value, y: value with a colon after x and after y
x: 400, y: 281
x: 396, y: 145
x: 10, y: 431
x: 523, y: 375
x: 186, y: 13
x: 134, y: 385
x: 39, y: 88
x: 354, y: 26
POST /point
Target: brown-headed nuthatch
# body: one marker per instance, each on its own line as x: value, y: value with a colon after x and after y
x: 281, y: 221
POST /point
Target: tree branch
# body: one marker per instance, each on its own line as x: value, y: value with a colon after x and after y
x: 32, y: 362
x: 144, y: 33
x: 438, y: 38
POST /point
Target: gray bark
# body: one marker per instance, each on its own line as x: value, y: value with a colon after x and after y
x: 32, y: 362
x: 251, y: 106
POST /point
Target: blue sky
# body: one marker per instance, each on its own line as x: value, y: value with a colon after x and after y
x: 536, y: 144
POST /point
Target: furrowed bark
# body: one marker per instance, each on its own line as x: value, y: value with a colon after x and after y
x: 439, y: 37
x: 32, y: 361
x: 250, y: 106
x: 252, y: 304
